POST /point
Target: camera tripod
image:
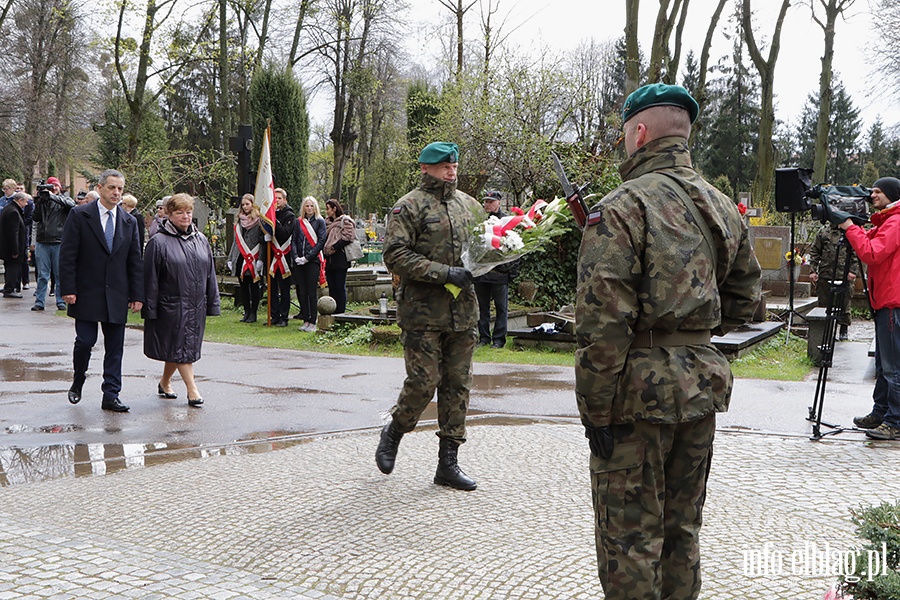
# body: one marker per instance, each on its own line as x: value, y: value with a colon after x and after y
x: 791, y: 312
x: 835, y: 306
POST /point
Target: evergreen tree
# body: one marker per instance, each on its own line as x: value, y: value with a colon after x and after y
x: 113, y: 133
x: 728, y: 142
x: 276, y: 95
x: 880, y: 150
x: 843, y: 166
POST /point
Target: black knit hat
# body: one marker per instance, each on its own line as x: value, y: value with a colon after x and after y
x: 890, y: 186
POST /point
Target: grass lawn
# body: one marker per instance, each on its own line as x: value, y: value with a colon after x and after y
x: 773, y: 360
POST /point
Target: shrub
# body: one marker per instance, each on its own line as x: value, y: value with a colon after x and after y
x: 879, y: 526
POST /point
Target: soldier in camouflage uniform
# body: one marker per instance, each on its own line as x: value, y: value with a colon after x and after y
x: 654, y: 283
x: 425, y: 235
x: 822, y: 271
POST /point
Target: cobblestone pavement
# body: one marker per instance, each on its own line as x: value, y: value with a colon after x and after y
x: 317, y: 520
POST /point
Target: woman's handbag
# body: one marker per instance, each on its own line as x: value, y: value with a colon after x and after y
x: 353, y: 251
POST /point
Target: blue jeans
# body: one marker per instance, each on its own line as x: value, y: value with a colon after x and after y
x: 47, y: 258
x: 887, y: 366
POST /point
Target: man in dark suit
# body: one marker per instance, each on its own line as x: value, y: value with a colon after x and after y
x: 13, y: 243
x: 101, y: 277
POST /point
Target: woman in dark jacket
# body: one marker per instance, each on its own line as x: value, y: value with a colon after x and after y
x: 340, y: 231
x: 181, y: 291
x: 308, y: 241
x: 247, y: 256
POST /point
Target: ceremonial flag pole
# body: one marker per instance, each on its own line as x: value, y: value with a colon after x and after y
x: 264, y: 198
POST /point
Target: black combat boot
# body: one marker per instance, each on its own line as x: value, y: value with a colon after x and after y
x: 842, y: 336
x: 386, y: 453
x: 448, y: 472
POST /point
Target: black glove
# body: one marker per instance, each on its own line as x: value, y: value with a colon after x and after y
x: 459, y: 277
x: 836, y: 217
x: 600, y: 440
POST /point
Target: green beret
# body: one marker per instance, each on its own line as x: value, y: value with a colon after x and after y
x: 438, y: 152
x: 659, y: 94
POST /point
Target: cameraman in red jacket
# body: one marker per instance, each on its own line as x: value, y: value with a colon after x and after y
x: 879, y: 248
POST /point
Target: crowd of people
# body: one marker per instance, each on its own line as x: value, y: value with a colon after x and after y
x: 90, y: 257
x: 665, y: 263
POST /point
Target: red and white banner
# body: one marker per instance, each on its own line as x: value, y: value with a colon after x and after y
x: 264, y: 194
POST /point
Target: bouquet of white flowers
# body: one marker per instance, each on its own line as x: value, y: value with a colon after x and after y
x: 499, y: 241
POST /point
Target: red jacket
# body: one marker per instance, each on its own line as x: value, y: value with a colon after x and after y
x: 879, y: 248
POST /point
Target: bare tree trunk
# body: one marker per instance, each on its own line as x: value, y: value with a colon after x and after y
x: 263, y: 35
x: 700, y: 92
x: 135, y: 97
x: 342, y: 136
x: 459, y: 11
x: 765, y: 174
x: 833, y: 8
x: 295, y: 43
x: 675, y: 59
x: 632, y: 49
x: 665, y: 23
x: 223, y: 111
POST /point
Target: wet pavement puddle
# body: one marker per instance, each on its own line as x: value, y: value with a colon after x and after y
x: 43, y: 463
x: 18, y: 369
x: 20, y: 465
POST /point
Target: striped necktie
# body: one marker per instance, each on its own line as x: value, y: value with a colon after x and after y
x: 109, y: 231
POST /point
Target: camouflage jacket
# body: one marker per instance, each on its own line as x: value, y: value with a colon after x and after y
x: 643, y: 264
x: 822, y: 253
x: 425, y: 235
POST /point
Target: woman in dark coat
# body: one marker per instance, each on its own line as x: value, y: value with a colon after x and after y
x: 181, y: 291
x: 340, y: 231
x: 308, y: 241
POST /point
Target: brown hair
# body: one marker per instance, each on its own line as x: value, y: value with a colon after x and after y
x: 179, y: 202
x: 338, y: 211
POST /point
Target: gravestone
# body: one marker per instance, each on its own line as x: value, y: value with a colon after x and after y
x: 201, y: 214
x: 771, y: 243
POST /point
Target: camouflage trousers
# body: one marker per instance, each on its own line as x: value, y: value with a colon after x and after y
x: 439, y: 360
x: 648, y: 505
x: 823, y: 289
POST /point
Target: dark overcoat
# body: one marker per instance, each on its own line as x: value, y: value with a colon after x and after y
x: 12, y: 232
x: 180, y: 281
x: 103, y: 281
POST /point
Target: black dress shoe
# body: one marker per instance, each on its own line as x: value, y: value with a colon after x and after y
x: 74, y: 395
x: 36, y: 307
x: 195, y: 401
x: 251, y: 318
x: 243, y: 319
x: 114, y: 405
x: 164, y: 393
x: 281, y: 324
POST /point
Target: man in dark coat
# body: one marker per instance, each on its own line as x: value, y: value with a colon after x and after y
x: 13, y: 244
x: 101, y: 277
x: 493, y: 286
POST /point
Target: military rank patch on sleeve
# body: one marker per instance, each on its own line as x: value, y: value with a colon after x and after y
x: 595, y: 217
